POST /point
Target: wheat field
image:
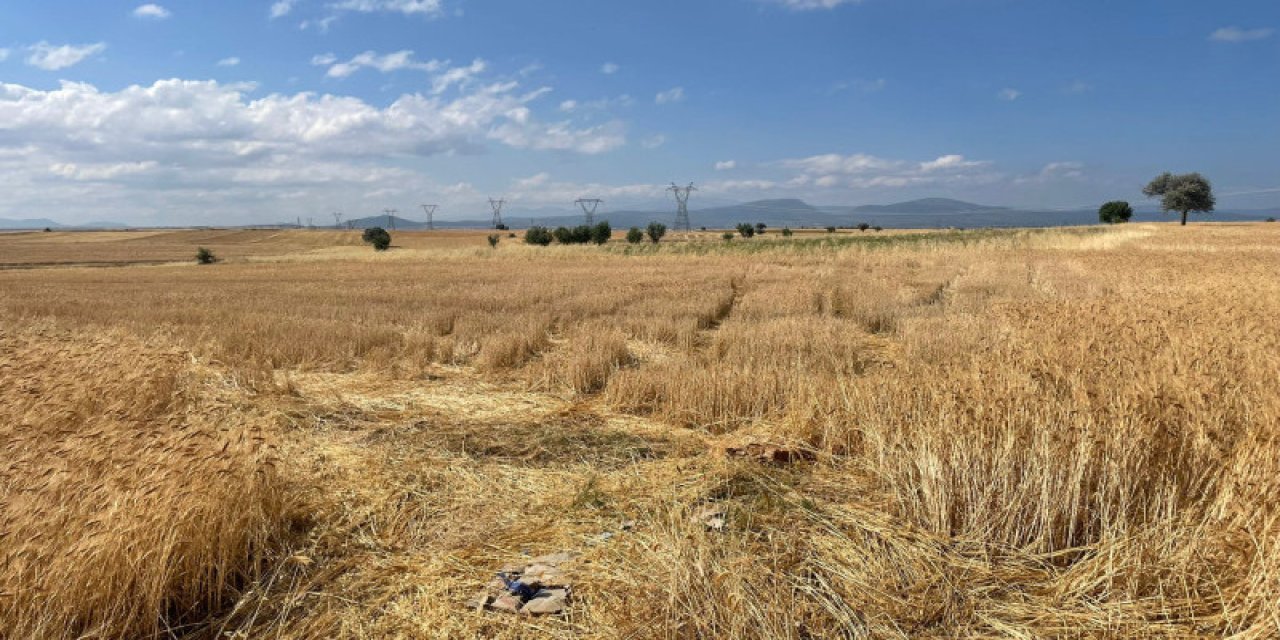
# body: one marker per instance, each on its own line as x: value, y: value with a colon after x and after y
x: 1065, y: 433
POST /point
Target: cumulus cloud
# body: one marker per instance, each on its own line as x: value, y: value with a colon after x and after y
x: 1237, y: 34
x: 862, y: 171
x: 197, y: 145
x: 810, y: 5
x: 1055, y: 171
x: 229, y: 62
x: 387, y: 63
x: 281, y: 8
x: 675, y: 94
x: 609, y: 68
x: 726, y: 165
x: 1009, y: 94
x: 54, y: 57
x: 430, y: 8
x: 151, y: 12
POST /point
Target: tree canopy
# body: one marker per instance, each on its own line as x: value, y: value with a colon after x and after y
x: 1183, y: 193
x: 1115, y: 212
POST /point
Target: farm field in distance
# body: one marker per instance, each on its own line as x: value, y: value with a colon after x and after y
x: 1052, y: 433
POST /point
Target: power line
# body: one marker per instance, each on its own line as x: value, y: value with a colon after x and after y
x: 589, y: 206
x: 431, y: 210
x: 682, y: 205
x: 497, y: 211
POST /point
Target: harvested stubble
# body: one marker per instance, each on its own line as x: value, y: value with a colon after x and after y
x: 1051, y: 434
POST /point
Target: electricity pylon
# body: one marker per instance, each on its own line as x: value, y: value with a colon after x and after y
x: 431, y: 210
x: 589, y: 206
x: 337, y: 219
x: 391, y: 217
x: 682, y: 205
x: 497, y: 211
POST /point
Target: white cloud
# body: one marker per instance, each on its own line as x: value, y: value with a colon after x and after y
x: 1237, y: 34
x: 1055, y: 171
x: 323, y: 59
x: 1078, y: 86
x: 430, y: 8
x: 810, y: 5
x: 669, y: 96
x: 53, y: 58
x: 4, y: 55
x: 203, y: 146
x: 609, y: 68
x: 726, y: 165
x: 151, y: 11
x: 654, y: 141
x: 229, y: 62
x: 281, y: 8
x: 370, y: 59
x: 533, y: 181
x: 862, y: 171
x: 1009, y: 94
x: 568, y: 105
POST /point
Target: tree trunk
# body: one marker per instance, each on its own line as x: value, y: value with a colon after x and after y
x: 1184, y: 218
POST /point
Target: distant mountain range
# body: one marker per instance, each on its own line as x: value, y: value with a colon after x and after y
x: 45, y: 223
x: 914, y: 214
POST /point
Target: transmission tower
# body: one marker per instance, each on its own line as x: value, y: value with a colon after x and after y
x: 337, y: 219
x: 391, y: 217
x: 310, y: 223
x: 682, y: 205
x: 589, y: 206
x: 497, y: 211
x: 431, y: 210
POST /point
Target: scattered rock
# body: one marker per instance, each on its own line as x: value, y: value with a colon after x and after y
x: 546, y: 602
x: 628, y: 525
x: 506, y: 603
x: 555, y: 559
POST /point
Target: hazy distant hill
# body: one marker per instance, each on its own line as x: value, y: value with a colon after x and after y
x: 929, y: 206
x: 28, y: 223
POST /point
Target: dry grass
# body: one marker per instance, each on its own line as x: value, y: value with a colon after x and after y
x: 1026, y: 434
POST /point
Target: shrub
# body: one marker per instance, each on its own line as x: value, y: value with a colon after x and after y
x: 493, y: 240
x: 378, y: 237
x: 563, y: 235
x: 635, y: 235
x: 601, y: 233
x: 1115, y: 212
x: 655, y: 231
x: 786, y: 232
x: 831, y: 229
x: 877, y: 228
x: 205, y: 256
x: 760, y: 227
x: 728, y: 235
x: 862, y: 226
x: 537, y: 235
x: 1272, y: 219
x: 746, y: 230
x: 511, y: 235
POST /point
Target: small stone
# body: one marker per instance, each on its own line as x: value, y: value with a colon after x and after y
x: 541, y: 574
x: 506, y: 603
x: 479, y: 601
x: 628, y: 525
x: 547, y: 602
x: 711, y: 517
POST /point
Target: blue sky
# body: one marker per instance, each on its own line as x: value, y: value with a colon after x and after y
x: 234, y: 112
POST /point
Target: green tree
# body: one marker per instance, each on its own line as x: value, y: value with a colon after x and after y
x: 378, y: 237
x: 746, y: 229
x: 601, y: 233
x: 655, y: 231
x: 786, y: 232
x: 563, y: 235
x: 831, y: 229
x: 537, y: 235
x: 760, y: 227
x: 1183, y: 193
x: 635, y: 235
x: 205, y: 256
x: 862, y: 226
x: 728, y: 235
x: 1115, y: 212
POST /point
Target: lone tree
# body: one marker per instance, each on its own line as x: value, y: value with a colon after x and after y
x: 635, y: 235
x: 205, y: 256
x: 1115, y: 212
x: 378, y: 237
x: 746, y: 230
x: 655, y: 231
x: 1183, y: 193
